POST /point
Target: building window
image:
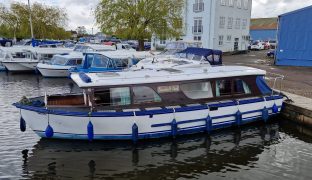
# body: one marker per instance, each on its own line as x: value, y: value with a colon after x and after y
x: 237, y: 23
x: 197, y: 90
x: 143, y: 94
x: 231, y: 3
x: 239, y: 3
x: 220, y: 40
x: 230, y: 22
x: 223, y: 88
x: 241, y: 87
x: 244, y: 23
x: 245, y: 4
x: 229, y: 38
x: 223, y: 2
x: 222, y: 22
x: 198, y: 6
x: 197, y: 38
x: 198, y: 26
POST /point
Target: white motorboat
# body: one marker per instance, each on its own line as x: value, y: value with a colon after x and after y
x: 32, y: 56
x: 153, y: 103
x: 60, y: 65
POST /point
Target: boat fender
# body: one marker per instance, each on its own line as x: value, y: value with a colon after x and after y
x: 275, y: 109
x: 208, y: 124
x: 135, y: 133
x: 22, y: 124
x: 49, y: 131
x: 265, y: 114
x: 90, y: 131
x: 238, y: 118
x: 174, y: 128
x: 84, y: 77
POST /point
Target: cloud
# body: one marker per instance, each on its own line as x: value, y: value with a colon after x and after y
x: 270, y: 8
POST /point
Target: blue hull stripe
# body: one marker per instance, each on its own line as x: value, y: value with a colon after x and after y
x: 142, y: 113
x: 158, y: 134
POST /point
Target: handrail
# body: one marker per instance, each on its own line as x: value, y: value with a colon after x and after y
x: 277, y: 77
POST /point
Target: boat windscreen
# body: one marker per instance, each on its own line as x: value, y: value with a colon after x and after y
x: 58, y: 60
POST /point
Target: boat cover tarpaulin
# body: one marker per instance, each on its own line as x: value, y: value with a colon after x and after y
x: 213, y: 56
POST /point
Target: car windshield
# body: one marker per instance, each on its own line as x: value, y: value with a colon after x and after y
x: 58, y: 60
x: 255, y: 43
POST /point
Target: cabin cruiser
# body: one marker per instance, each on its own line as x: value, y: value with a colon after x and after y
x: 152, y: 103
x: 60, y: 65
x: 10, y: 53
x: 110, y: 60
x: 189, y: 57
x: 31, y: 57
x: 83, y: 48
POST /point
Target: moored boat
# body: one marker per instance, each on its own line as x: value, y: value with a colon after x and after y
x: 153, y: 103
x: 60, y: 65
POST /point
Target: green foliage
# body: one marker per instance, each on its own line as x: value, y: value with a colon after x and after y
x: 48, y: 22
x: 139, y: 19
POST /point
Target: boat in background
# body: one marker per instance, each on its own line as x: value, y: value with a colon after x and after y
x: 60, y: 65
x: 152, y: 103
x: 31, y: 57
x: 110, y: 61
x: 189, y: 57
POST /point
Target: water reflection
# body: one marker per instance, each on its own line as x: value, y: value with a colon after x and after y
x: 183, y: 157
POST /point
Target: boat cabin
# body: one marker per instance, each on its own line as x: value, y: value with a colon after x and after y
x: 163, y: 88
x: 84, y: 48
x: 71, y: 59
x: 109, y: 61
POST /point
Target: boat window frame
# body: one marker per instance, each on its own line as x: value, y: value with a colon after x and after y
x: 108, y: 65
x: 198, y: 82
x: 141, y: 103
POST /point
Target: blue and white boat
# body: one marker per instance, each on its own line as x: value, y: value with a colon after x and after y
x: 60, y: 65
x: 153, y: 103
x: 109, y: 61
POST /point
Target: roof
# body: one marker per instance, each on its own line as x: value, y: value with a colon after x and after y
x: 263, y: 23
x: 74, y: 55
x: 201, y: 51
x: 145, y: 76
x: 124, y: 54
x: 49, y: 50
x: 296, y: 11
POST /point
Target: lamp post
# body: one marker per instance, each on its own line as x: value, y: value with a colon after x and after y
x: 31, y: 27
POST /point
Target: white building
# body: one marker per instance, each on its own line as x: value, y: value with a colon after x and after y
x: 218, y: 24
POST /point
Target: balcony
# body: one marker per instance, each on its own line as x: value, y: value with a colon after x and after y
x: 197, y: 30
x: 198, y: 7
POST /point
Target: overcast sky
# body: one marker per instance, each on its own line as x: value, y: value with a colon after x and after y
x: 80, y: 11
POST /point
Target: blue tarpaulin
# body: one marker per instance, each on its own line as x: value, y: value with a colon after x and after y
x: 211, y: 55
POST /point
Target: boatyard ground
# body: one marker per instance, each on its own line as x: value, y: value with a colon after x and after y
x: 298, y: 80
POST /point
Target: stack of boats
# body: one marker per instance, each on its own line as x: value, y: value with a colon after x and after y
x: 127, y: 95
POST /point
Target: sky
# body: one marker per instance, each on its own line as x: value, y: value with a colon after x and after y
x: 80, y: 11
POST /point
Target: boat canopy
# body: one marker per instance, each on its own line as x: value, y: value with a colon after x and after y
x: 213, y: 56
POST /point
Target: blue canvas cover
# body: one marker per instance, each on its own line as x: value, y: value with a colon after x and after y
x: 213, y: 56
x: 262, y: 85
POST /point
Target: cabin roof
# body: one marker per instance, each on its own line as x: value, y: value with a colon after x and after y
x: 49, y: 50
x: 71, y: 55
x: 146, y: 76
x: 124, y: 54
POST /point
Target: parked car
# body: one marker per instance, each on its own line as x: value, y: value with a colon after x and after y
x: 272, y: 44
x: 5, y: 42
x: 257, y: 45
x: 271, y: 53
x: 266, y: 45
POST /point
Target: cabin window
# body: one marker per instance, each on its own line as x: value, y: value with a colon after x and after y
x: 121, y: 63
x: 74, y: 62
x: 120, y: 96
x: 101, y: 61
x: 143, y: 94
x: 57, y: 60
x: 200, y: 90
x: 223, y: 88
x: 241, y: 87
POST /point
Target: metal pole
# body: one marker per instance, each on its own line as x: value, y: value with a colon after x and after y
x: 30, y: 21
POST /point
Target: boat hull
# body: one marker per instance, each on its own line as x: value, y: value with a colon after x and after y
x: 47, y: 72
x: 20, y: 66
x: 151, y: 123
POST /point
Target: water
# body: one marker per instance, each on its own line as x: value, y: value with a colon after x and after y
x: 279, y: 150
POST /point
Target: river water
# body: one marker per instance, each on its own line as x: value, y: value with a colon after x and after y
x: 279, y: 149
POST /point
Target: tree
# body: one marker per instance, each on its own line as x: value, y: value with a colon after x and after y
x: 139, y: 19
x: 48, y: 22
x: 81, y: 30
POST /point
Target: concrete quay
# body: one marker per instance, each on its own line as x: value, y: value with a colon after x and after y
x: 299, y: 109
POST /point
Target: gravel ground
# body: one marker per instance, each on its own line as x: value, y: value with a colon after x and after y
x: 298, y: 80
